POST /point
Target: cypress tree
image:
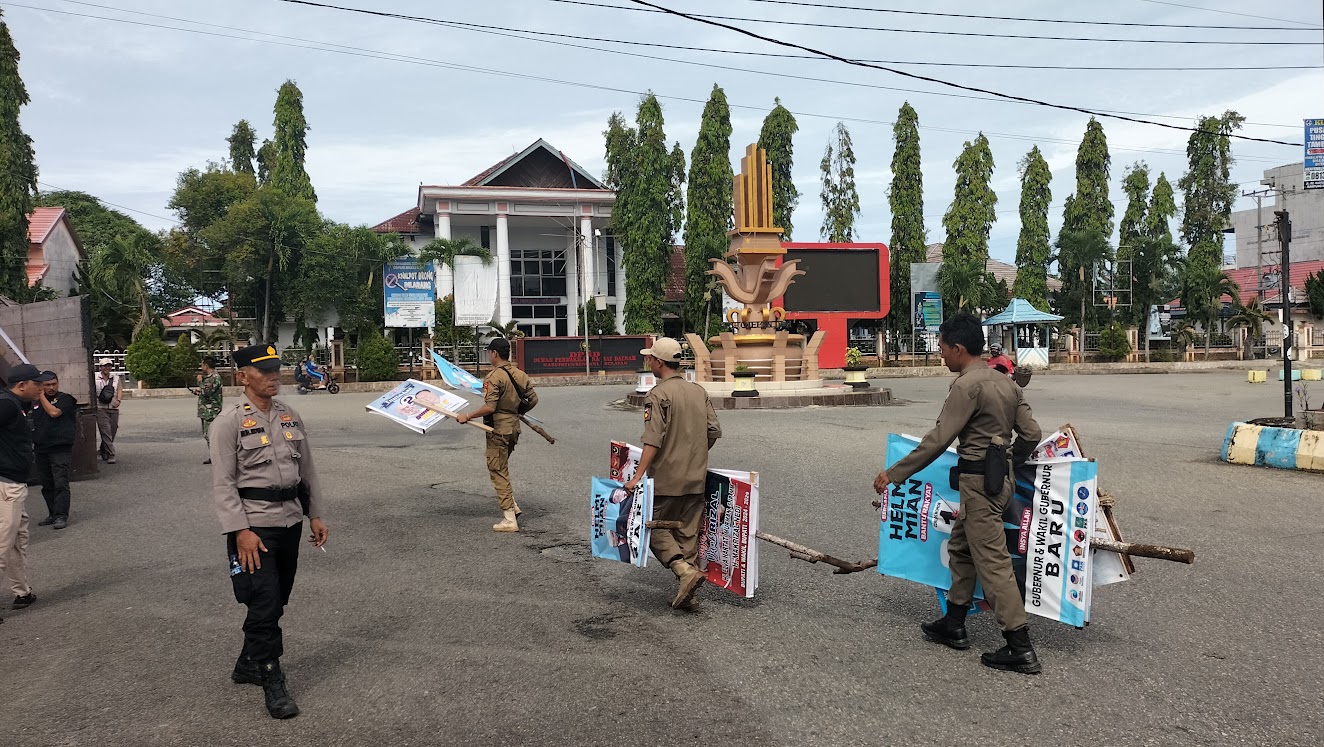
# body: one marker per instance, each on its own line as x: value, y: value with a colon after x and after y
x: 265, y: 159
x: 290, y: 147
x: 18, y: 172
x: 1207, y: 188
x: 905, y: 199
x: 963, y: 279
x: 709, y: 209
x: 1087, y: 220
x: 241, y: 140
x: 1033, y: 252
x: 649, y: 208
x: 779, y: 127
x: 1162, y: 207
x: 1136, y: 187
x: 841, y: 201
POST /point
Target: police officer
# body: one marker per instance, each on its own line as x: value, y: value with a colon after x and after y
x: 504, y: 389
x: 983, y: 408
x: 679, y: 429
x: 264, y: 483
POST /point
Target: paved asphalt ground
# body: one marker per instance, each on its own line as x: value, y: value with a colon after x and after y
x: 420, y: 626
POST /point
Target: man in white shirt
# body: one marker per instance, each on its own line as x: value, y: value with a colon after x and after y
x: 109, y: 391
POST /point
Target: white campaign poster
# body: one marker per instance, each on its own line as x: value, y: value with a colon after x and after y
x: 1058, y: 558
x: 475, y: 291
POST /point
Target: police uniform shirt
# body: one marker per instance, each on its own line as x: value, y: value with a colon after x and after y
x: 982, y: 404
x: 255, y: 449
x: 502, y: 397
x: 678, y: 421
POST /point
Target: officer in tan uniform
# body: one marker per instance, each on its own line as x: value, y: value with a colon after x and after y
x: 264, y: 483
x: 503, y: 389
x: 679, y: 429
x: 983, y: 408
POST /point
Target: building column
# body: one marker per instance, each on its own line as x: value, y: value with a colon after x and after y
x: 445, y: 274
x: 572, y: 284
x: 590, y: 259
x: 504, y: 314
x: 620, y: 287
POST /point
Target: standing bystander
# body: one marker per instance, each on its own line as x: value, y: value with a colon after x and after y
x: 209, y: 391
x: 24, y: 382
x: 679, y: 429
x: 110, y: 390
x: 54, y: 427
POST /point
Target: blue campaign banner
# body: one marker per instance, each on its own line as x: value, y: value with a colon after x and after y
x: 456, y: 377
x: 1048, y: 522
x: 619, y: 528
x: 409, y: 293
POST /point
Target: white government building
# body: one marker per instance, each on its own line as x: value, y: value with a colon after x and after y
x: 545, y: 220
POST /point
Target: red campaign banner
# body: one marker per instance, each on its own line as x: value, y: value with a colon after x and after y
x: 727, y: 537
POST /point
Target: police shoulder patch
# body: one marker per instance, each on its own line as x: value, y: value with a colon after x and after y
x: 648, y: 411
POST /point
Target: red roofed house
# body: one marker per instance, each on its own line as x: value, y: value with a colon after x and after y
x: 54, y: 250
x: 192, y: 322
x: 537, y: 211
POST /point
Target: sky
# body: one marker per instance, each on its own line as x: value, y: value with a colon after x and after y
x: 120, y: 109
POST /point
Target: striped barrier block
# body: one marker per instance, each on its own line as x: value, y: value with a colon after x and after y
x: 1282, y: 448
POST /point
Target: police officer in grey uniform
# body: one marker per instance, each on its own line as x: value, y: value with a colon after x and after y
x: 264, y: 483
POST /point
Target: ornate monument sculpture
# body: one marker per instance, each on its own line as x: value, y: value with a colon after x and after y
x: 755, y: 281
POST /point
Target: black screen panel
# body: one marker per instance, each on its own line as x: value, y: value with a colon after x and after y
x: 835, y: 280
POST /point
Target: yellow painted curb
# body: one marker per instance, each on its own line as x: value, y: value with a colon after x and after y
x: 1244, y: 441
x: 1310, y: 453
x: 1310, y: 374
x: 1257, y: 377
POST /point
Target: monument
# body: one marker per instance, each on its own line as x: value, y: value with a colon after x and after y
x: 758, y: 343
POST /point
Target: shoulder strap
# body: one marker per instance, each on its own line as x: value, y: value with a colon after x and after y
x: 519, y: 390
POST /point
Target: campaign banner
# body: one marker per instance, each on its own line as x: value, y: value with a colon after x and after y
x: 409, y: 293
x: 456, y: 377
x: 403, y: 405
x: 728, y: 547
x: 919, y: 515
x: 619, y: 521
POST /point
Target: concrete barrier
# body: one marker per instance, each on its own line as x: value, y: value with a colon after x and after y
x: 1281, y: 448
x: 1257, y: 377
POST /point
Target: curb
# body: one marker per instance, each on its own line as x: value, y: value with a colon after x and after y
x: 288, y: 391
x: 1280, y: 448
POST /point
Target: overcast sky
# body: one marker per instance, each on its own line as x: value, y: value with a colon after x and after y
x: 119, y: 109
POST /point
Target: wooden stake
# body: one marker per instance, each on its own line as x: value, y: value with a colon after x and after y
x: 449, y: 414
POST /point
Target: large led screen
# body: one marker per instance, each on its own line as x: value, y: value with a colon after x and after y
x: 835, y: 280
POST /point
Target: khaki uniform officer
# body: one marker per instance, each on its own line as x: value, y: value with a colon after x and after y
x: 983, y: 409
x: 679, y: 429
x: 501, y: 400
x: 264, y: 483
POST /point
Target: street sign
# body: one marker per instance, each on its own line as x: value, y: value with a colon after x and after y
x: 1314, y: 174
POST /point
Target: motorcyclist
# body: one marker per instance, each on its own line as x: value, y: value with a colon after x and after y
x: 997, y: 359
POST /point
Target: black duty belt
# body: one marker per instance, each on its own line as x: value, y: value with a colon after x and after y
x: 970, y: 466
x: 271, y: 495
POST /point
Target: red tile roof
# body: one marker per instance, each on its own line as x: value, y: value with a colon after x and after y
x: 41, y: 221
x: 36, y: 273
x: 675, y: 288
x: 404, y: 223
x: 1245, y: 279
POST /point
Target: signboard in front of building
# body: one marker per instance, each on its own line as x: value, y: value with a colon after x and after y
x: 410, y: 293
x: 475, y: 291
x: 1314, y: 175
x: 565, y: 355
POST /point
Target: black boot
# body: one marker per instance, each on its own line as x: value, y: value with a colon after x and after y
x: 279, y: 702
x: 949, y: 630
x: 1017, y: 656
x: 246, y: 672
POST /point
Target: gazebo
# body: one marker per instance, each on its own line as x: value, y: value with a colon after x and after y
x: 1029, y: 330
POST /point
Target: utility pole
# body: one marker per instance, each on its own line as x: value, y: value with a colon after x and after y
x: 1259, y: 239
x: 1285, y: 292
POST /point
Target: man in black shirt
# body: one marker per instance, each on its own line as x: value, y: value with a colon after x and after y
x: 24, y: 382
x: 54, y: 423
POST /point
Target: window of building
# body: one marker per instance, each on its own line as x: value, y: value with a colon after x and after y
x: 485, y: 237
x: 610, y: 242
x: 537, y: 272
x: 541, y: 319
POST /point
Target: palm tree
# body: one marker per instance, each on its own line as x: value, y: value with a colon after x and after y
x: 1183, y: 334
x: 444, y: 251
x: 120, y: 271
x: 1203, y: 288
x: 510, y: 330
x: 1154, y: 264
x: 967, y: 285
x: 1253, y: 317
x: 1079, y: 254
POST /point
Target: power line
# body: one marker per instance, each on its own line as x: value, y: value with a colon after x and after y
x: 517, y: 34
x: 1231, y: 13
x: 984, y: 35
x: 1035, y: 20
x: 838, y: 58
x: 425, y: 62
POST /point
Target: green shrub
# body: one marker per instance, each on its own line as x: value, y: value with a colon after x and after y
x: 376, y: 358
x: 148, y: 358
x: 1114, y: 345
x: 184, y: 362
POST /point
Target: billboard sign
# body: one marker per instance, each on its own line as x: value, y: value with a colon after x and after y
x: 475, y: 291
x: 1314, y: 156
x: 410, y: 293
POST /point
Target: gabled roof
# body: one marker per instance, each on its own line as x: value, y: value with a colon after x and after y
x: 404, y: 223
x: 41, y: 221
x: 1019, y: 311
x: 1244, y: 277
x: 1001, y: 270
x: 539, y: 165
x: 36, y: 273
x: 192, y: 316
